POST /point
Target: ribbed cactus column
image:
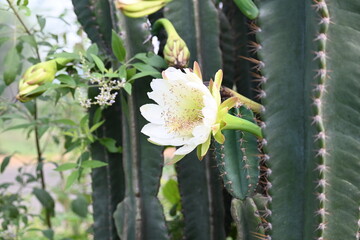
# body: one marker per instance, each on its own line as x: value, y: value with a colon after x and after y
x: 308, y: 59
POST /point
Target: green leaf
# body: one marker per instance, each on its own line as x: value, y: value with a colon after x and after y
x: 20, y: 126
x: 71, y: 179
x: 45, y: 199
x: 93, y: 164
x: 93, y: 49
x: 29, y: 39
x: 110, y: 145
x: 66, y: 79
x: 171, y: 191
x: 3, y: 40
x: 48, y: 233
x: 144, y: 74
x: 5, y: 163
x: 117, y: 46
x: 66, y: 166
x: 65, y: 121
x: 128, y: 87
x: 11, y: 66
x: 80, y: 206
x: 41, y: 21
x: 96, y: 126
x: 65, y: 55
x: 144, y: 67
x: 152, y: 60
x: 99, y: 63
x: 97, y: 115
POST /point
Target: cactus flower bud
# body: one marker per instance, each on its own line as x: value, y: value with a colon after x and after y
x: 140, y: 8
x: 38, y: 75
x: 176, y: 53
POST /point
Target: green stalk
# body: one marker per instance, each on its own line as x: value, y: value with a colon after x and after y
x: 236, y: 123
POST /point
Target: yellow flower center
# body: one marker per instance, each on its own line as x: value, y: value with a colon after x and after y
x: 184, y: 110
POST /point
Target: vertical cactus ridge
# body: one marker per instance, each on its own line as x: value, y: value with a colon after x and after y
x: 248, y: 220
x: 238, y: 160
x: 107, y: 182
x: 141, y: 211
x: 201, y: 198
x: 320, y: 138
x: 284, y: 50
x: 97, y: 20
x: 310, y: 121
x: 339, y: 111
x: 238, y: 33
x: 201, y: 33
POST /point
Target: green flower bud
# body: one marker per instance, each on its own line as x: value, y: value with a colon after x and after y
x: 176, y: 53
x: 38, y: 75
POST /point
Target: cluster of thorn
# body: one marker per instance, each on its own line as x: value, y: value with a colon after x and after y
x: 265, y: 171
x: 107, y: 88
x: 320, y: 138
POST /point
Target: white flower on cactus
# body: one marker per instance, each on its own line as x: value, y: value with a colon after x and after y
x: 187, y: 113
x: 184, y: 114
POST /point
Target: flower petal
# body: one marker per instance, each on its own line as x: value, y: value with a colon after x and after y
x: 185, y: 149
x: 152, y: 113
x: 174, y: 74
x: 200, y: 133
x: 168, y: 141
x: 156, y: 130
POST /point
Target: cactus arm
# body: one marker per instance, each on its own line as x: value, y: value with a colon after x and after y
x: 107, y: 182
x: 143, y: 159
x: 320, y: 145
x: 227, y: 47
x: 199, y: 196
x: 288, y: 132
x: 238, y: 160
x: 241, y: 41
x: 341, y: 119
x: 97, y: 20
x: 197, y: 23
x: 247, y: 219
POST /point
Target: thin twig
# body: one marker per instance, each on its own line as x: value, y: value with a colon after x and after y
x: 40, y: 161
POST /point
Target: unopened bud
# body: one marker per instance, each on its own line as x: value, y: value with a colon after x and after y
x: 38, y: 75
x: 176, y: 53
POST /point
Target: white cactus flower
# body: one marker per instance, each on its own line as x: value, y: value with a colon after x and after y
x: 187, y: 113
x: 184, y: 114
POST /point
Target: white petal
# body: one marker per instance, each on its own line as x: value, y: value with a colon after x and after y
x: 192, y: 76
x: 210, y: 110
x: 160, y: 88
x: 174, y: 74
x: 155, y: 130
x: 201, y: 134
x: 169, y: 141
x: 185, y: 149
x: 152, y: 113
x: 161, y: 136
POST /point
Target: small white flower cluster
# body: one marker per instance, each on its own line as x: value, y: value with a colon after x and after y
x: 108, y: 88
